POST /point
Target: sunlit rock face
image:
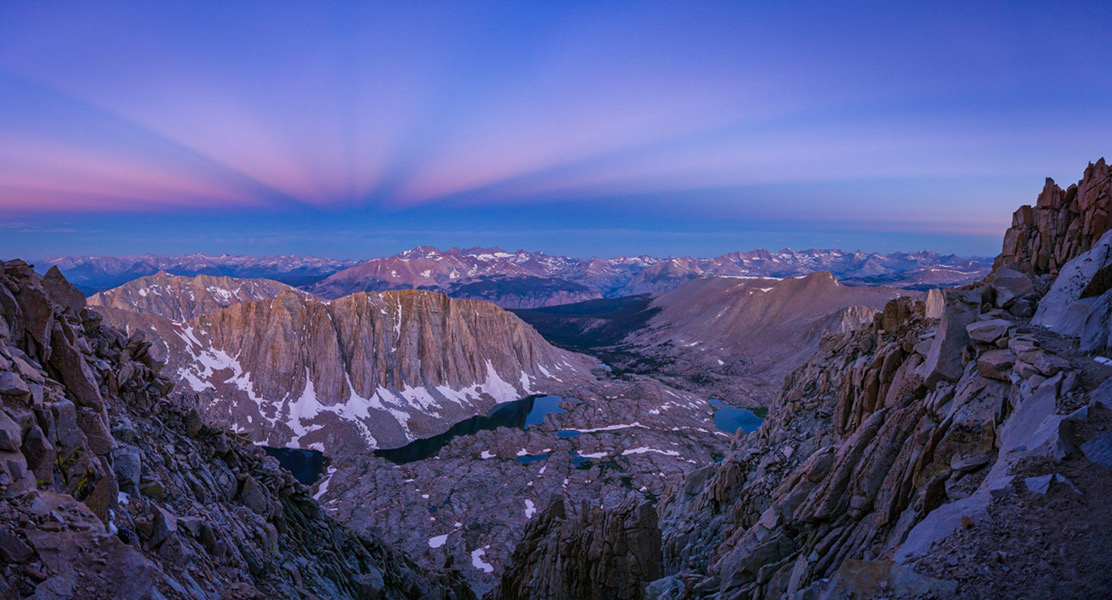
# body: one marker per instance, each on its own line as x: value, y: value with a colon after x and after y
x: 367, y: 370
x: 1062, y: 224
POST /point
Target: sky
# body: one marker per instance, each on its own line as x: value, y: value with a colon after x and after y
x: 360, y: 129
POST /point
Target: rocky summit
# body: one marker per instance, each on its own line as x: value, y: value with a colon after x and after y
x: 112, y: 487
x: 953, y: 447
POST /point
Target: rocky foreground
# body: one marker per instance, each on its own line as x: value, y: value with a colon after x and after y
x: 111, y: 488
x: 958, y: 446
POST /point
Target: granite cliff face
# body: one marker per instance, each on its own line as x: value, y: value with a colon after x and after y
x: 366, y: 370
x: 111, y: 488
x: 950, y: 448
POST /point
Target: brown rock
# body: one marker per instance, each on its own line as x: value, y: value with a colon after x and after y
x: 63, y: 293
x: 996, y: 364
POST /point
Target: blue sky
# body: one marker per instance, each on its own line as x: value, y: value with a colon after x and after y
x: 594, y: 128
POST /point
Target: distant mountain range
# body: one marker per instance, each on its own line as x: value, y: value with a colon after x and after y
x: 92, y: 274
x: 531, y: 279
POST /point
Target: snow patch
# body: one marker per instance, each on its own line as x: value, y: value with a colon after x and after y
x: 644, y: 450
x: 478, y: 562
x: 438, y: 541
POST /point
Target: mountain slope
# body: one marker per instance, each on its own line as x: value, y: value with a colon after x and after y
x: 365, y: 370
x: 734, y: 338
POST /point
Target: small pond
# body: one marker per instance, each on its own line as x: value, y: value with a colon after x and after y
x: 306, y: 465
x: 523, y: 414
x: 730, y: 419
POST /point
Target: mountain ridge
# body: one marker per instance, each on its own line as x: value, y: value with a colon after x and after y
x: 368, y: 369
x: 522, y: 279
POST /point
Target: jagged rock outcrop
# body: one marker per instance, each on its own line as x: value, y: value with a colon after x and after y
x: 109, y: 488
x: 868, y: 456
x: 185, y: 298
x: 594, y: 555
x: 366, y: 370
x: 1062, y: 224
x: 949, y: 449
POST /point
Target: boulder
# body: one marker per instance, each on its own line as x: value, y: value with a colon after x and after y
x: 1011, y: 284
x: 944, y: 360
x: 13, y: 550
x: 11, y: 434
x: 996, y: 364
x: 127, y: 464
x: 255, y: 497
x: 1099, y: 449
x: 12, y: 386
x: 39, y: 453
x: 988, y: 331
x: 1041, y: 485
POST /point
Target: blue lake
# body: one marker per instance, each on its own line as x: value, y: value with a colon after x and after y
x: 306, y: 465
x: 730, y: 419
x: 522, y: 414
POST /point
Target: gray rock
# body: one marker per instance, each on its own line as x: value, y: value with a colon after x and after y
x: 944, y: 361
x: 127, y: 463
x: 39, y: 453
x: 13, y: 550
x: 10, y: 433
x: 1065, y: 309
x: 13, y: 386
x: 988, y: 331
x: 1041, y: 485
x: 996, y: 364
x: 667, y: 588
x: 1010, y: 284
x: 1099, y: 449
x: 969, y: 462
x: 70, y: 364
x: 254, y: 497
x: 370, y: 584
